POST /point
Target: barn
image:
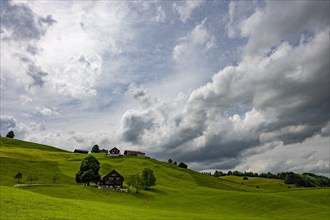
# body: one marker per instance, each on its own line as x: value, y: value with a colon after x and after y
x: 134, y: 153
x: 79, y: 151
x: 115, y: 152
x: 112, y: 179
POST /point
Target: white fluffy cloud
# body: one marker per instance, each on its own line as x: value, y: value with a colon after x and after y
x: 264, y: 31
x: 280, y: 97
x: 137, y: 76
x: 186, y: 8
x: 198, y: 39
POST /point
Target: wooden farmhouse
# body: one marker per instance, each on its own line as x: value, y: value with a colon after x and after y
x: 112, y: 179
x: 79, y: 151
x: 134, y: 153
x: 115, y: 152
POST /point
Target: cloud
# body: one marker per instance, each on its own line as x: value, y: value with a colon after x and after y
x: 46, y: 111
x: 20, y: 129
x: 298, y: 17
x: 20, y: 23
x: 186, y: 9
x: 47, y: 20
x: 198, y: 38
x: 128, y: 74
x: 37, y: 75
x: 7, y: 123
x: 72, y: 139
x: 309, y: 156
x: 280, y: 97
x: 78, y: 77
x: 135, y: 124
x: 160, y: 16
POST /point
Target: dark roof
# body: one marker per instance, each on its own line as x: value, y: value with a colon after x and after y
x: 132, y: 151
x: 113, y: 172
x: 115, y: 148
x: 80, y: 151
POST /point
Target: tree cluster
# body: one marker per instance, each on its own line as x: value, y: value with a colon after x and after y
x: 305, y: 179
x: 96, y: 149
x: 147, y: 179
x: 181, y: 164
x: 10, y: 134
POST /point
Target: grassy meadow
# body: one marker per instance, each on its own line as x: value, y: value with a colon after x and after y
x: 179, y: 193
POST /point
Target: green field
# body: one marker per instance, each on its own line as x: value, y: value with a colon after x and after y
x: 179, y: 193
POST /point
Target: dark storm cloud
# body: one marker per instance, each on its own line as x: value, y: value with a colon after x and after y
x: 21, y: 23
x: 35, y: 72
x: 48, y: 20
x: 134, y: 125
x: 282, y: 96
x: 7, y: 123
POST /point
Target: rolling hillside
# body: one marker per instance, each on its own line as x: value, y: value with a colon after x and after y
x: 179, y: 193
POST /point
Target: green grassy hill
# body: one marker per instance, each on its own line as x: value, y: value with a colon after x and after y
x: 179, y: 193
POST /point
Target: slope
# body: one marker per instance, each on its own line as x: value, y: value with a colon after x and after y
x: 179, y: 193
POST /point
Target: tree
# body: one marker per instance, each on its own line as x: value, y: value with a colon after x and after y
x: 32, y: 178
x: 175, y: 163
x: 10, y: 134
x: 18, y: 176
x: 148, y: 178
x: 170, y: 160
x: 89, y: 171
x: 55, y: 178
x: 96, y: 149
x: 135, y: 181
x: 183, y: 165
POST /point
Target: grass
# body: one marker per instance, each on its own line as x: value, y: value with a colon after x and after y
x: 179, y: 193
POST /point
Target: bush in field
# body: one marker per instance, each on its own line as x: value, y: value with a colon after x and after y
x: 18, y: 176
x: 32, y: 179
x: 183, y: 165
x: 135, y: 181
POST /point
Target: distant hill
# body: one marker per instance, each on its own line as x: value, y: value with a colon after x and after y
x: 179, y: 193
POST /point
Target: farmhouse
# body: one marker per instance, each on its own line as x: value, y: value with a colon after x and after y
x: 115, y: 152
x: 79, y: 151
x: 112, y: 179
x: 134, y: 153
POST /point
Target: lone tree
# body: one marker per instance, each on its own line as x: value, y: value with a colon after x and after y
x: 135, y: 181
x: 10, y: 134
x: 18, y: 176
x: 32, y: 178
x: 55, y: 178
x: 89, y: 171
x: 148, y: 178
x: 183, y: 165
x: 170, y: 160
x: 96, y: 149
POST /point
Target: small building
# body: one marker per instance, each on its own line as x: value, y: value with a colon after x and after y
x: 115, y: 152
x: 112, y: 179
x: 134, y: 153
x: 79, y: 151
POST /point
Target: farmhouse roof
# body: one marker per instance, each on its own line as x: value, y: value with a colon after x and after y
x: 80, y: 151
x: 113, y: 172
x: 133, y: 151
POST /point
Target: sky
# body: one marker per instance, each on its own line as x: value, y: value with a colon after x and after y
x: 219, y: 85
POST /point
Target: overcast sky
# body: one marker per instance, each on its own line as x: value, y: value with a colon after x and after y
x: 216, y: 84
